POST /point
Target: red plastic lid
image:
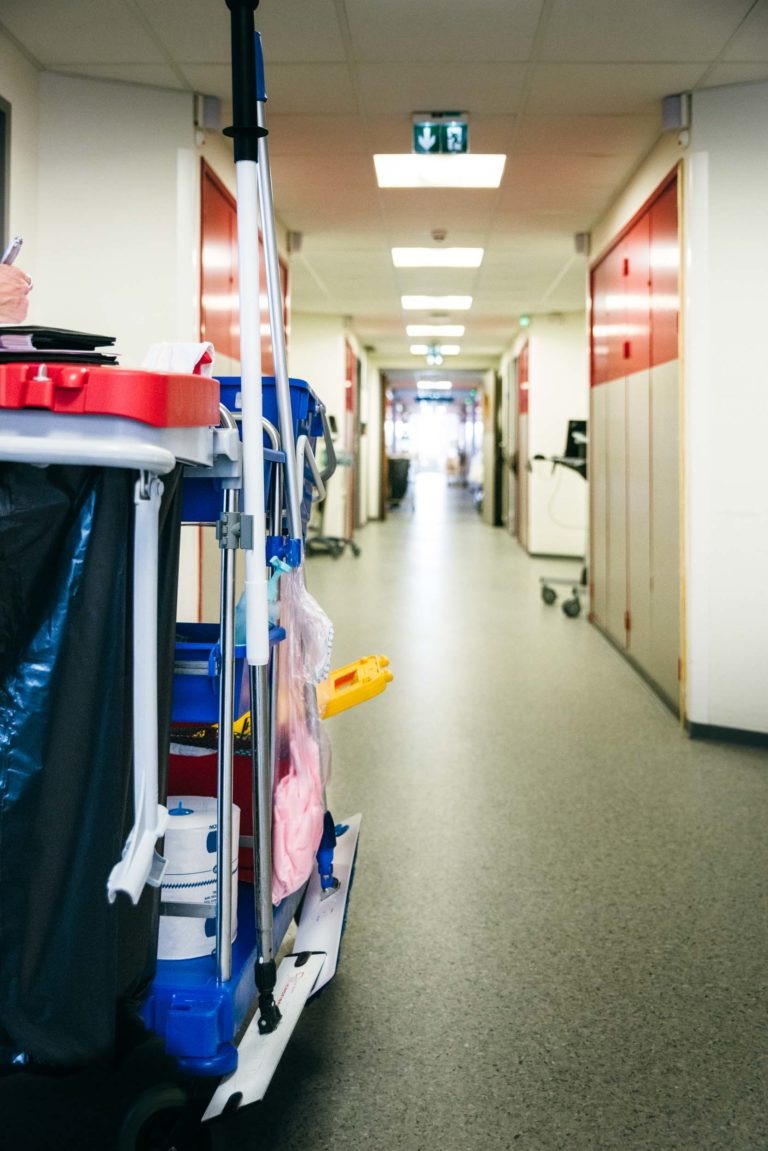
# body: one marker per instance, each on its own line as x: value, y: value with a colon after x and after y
x: 164, y: 400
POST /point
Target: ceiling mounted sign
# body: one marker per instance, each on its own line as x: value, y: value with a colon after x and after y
x: 440, y: 133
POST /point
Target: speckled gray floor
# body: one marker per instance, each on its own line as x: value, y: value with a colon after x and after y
x: 558, y: 936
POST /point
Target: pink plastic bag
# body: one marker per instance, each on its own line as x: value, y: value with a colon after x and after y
x: 298, y: 802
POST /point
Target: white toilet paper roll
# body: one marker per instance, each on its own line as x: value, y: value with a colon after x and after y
x: 190, y: 877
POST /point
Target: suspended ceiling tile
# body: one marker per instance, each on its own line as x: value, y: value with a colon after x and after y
x: 521, y: 201
x: 353, y: 300
x: 732, y: 73
x: 199, y: 30
x: 604, y: 135
x: 499, y: 283
x: 446, y: 30
x: 213, y: 80
x: 654, y: 30
x: 367, y: 275
x: 537, y: 217
x: 196, y: 31
x: 751, y: 40
x: 311, y: 90
x: 617, y: 88
x: 482, y: 325
x: 570, y: 290
x: 152, y: 75
x: 422, y: 212
x: 570, y: 169
x: 346, y: 173
x: 296, y: 30
x: 436, y: 281
x: 350, y: 243
x: 315, y: 135
x: 403, y: 237
x: 509, y: 247
x: 98, y: 31
x: 480, y: 89
x: 321, y: 214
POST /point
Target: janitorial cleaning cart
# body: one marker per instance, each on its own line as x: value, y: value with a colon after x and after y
x: 159, y: 937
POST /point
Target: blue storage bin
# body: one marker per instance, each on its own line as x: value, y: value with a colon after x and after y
x: 196, y: 673
x: 305, y: 407
x: 202, y: 499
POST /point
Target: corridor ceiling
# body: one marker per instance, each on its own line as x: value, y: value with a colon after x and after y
x: 569, y: 90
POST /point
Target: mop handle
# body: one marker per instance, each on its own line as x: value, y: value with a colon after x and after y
x: 245, y: 132
x: 276, y: 313
x: 245, y: 129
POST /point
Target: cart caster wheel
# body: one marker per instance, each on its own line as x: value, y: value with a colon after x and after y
x: 355, y: 549
x: 549, y: 595
x: 572, y: 607
x: 159, y: 1120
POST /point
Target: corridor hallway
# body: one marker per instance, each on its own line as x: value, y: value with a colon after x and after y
x: 558, y: 934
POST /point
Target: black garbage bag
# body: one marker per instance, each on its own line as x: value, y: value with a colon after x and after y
x: 71, y: 962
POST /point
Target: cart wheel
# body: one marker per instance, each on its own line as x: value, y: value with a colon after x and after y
x: 158, y: 1120
x: 572, y: 607
x: 549, y: 595
x: 355, y: 548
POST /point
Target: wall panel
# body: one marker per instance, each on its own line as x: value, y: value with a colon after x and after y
x: 664, y: 269
x: 665, y: 528
x: 616, y: 534
x: 639, y: 638
x: 636, y: 274
x: 635, y: 574
x: 598, y: 492
x: 523, y: 475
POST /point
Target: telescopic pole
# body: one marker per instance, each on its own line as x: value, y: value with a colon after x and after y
x: 245, y: 132
x: 276, y: 314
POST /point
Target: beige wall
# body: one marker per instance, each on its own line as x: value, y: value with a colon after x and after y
x: 19, y: 87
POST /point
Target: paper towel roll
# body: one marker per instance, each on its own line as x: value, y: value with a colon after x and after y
x: 190, y: 877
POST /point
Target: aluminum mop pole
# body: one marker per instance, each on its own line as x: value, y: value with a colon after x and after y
x: 245, y: 132
x: 225, y: 792
x: 276, y: 313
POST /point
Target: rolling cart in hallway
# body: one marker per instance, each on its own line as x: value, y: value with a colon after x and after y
x: 574, y: 459
x: 75, y: 488
x: 95, y: 465
x: 319, y: 542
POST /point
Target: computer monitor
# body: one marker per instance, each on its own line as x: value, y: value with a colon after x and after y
x: 576, y: 440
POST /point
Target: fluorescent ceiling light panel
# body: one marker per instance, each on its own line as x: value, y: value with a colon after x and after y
x: 456, y: 330
x: 434, y: 385
x: 443, y: 349
x: 411, y: 170
x: 437, y: 257
x: 445, y: 303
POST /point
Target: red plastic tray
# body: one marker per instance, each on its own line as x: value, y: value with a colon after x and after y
x: 162, y: 399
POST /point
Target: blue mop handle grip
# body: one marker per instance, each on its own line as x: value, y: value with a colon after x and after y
x: 261, y: 87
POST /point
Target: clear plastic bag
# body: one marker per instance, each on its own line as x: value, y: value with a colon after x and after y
x: 302, y: 748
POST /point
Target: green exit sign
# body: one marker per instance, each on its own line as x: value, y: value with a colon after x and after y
x: 440, y: 136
